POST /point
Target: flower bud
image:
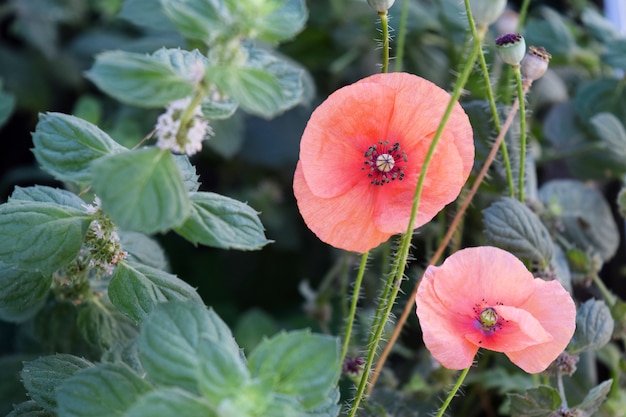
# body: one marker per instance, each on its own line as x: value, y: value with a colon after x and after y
x: 535, y: 63
x: 511, y: 48
x: 381, y: 5
x: 486, y: 12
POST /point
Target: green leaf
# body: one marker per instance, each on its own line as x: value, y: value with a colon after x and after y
x: 583, y: 215
x: 188, y: 172
x: 168, y: 402
x: 512, y: 226
x: 40, y: 236
x: 229, y: 135
x: 221, y: 370
x: 183, y: 326
x: 65, y: 146
x: 7, y: 105
x: 600, y: 95
x: 599, y: 26
x: 283, y: 23
x: 550, y: 30
x: 265, y: 86
x: 185, y: 63
x: 29, y: 409
x: 615, y: 55
x: 142, y: 190
x: 43, y: 194
x: 219, y: 107
x: 253, y: 326
x: 43, y: 376
x: 595, y: 398
x: 594, y: 327
x: 146, y: 13
x: 109, y: 389
x: 144, y: 250
x: 102, y: 326
x: 536, y: 402
x: 22, y: 293
x: 135, y: 289
x: 206, y: 20
x: 222, y: 222
x: 139, y: 80
x: 298, y: 363
x: 12, y: 390
x: 612, y: 135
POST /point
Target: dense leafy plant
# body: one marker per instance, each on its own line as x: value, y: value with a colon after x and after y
x: 102, y: 326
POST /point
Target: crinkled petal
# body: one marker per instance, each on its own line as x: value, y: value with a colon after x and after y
x: 519, y: 330
x: 344, y: 221
x: 443, y: 328
x: 338, y: 133
x: 482, y: 274
x: 554, y: 308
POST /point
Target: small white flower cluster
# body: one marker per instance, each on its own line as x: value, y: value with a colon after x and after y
x: 102, y: 242
x: 182, y: 139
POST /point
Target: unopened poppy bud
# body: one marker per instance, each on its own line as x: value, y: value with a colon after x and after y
x: 535, y: 63
x: 486, y: 12
x: 511, y: 48
x: 381, y: 5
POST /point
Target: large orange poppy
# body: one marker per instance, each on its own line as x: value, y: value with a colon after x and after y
x: 361, y: 154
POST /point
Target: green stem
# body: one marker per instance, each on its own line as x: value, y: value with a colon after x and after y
x: 453, y: 392
x: 561, y: 389
x: 523, y: 11
x: 405, y: 243
x: 355, y: 299
x: 522, y: 125
x: 608, y: 296
x: 384, y: 23
x: 188, y: 114
x: 401, y: 38
x: 479, y: 37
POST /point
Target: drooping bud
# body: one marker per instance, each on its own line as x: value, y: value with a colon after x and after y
x: 486, y: 12
x: 381, y: 5
x: 511, y: 48
x: 535, y: 63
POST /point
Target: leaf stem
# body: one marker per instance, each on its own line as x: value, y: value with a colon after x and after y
x: 384, y: 23
x: 608, y: 296
x: 352, y: 313
x: 559, y: 384
x: 522, y: 124
x: 453, y: 392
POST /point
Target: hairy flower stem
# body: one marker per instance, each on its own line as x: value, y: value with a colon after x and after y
x: 444, y: 243
x: 523, y: 11
x: 401, y: 38
x: 522, y: 124
x: 352, y: 313
x: 453, y: 392
x: 561, y: 388
x: 479, y: 35
x: 384, y: 23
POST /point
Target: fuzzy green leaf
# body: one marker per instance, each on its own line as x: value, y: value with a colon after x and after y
x: 512, y: 226
x: 135, y: 289
x: 595, y: 398
x: 594, y: 327
x: 584, y: 215
x: 206, y: 20
x: 142, y: 190
x: 146, y: 13
x: 168, y: 402
x: 65, y: 146
x: 22, y: 293
x: 139, y: 80
x: 298, y: 363
x: 103, y: 327
x: 29, y: 409
x: 43, y: 194
x: 610, y: 130
x: 40, y: 236
x: 43, y: 376
x: 105, y: 390
x: 600, y: 95
x: 615, y: 54
x: 144, y: 250
x: 265, y: 86
x: 222, y: 222
x: 550, y: 30
x: 218, y: 108
x: 184, y: 326
x: 188, y: 172
x: 536, y: 402
x: 286, y: 20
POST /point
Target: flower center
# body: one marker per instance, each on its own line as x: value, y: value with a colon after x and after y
x: 488, y: 318
x: 383, y: 163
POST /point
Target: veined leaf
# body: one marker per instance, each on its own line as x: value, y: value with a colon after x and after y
x: 22, y: 293
x: 43, y: 194
x: 168, y: 402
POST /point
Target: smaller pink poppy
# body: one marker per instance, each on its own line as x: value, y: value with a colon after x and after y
x: 485, y: 297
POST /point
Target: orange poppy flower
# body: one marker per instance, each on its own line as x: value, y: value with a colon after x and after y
x: 485, y: 297
x: 361, y: 154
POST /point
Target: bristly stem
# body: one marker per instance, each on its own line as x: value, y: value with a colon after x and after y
x: 479, y: 37
x: 522, y: 125
x: 352, y: 313
x: 384, y: 23
x: 453, y: 392
x: 401, y: 38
